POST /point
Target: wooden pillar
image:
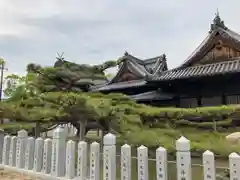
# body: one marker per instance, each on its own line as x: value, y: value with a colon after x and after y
x: 177, y: 101
x: 224, y: 101
x: 199, y: 101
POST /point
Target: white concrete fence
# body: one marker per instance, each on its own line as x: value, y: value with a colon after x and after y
x: 57, y: 159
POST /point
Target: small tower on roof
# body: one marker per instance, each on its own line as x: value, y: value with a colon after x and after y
x: 217, y: 22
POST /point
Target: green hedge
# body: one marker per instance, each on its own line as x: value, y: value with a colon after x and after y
x: 217, y: 117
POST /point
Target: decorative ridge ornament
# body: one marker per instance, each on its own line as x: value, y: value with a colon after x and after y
x: 60, y: 57
x: 217, y: 22
x: 219, y: 44
x: 164, y: 57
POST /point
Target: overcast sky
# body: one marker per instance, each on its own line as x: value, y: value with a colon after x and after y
x: 93, y: 31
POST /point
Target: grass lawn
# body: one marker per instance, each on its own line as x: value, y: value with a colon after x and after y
x: 200, y: 140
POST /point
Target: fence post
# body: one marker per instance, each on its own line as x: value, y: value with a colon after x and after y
x: 70, y: 159
x: 142, y: 159
x: 183, y: 159
x: 82, y: 160
x: 209, y: 166
x: 38, y: 154
x: 30, y: 147
x: 234, y: 165
x: 126, y: 162
x: 47, y: 153
x: 12, y: 156
x: 94, y: 161
x: 1, y: 144
x: 109, y: 157
x: 58, y: 152
x: 21, y: 147
x: 161, y: 164
x: 6, y: 149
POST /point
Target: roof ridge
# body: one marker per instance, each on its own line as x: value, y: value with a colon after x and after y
x: 162, y: 56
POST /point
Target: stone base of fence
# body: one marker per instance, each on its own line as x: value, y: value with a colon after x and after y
x: 32, y: 173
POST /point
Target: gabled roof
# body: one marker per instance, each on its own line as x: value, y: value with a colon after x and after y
x: 217, y: 28
x: 223, y: 67
x: 138, y: 67
x: 150, y: 64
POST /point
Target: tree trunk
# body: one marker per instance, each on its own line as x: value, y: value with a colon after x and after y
x: 214, y: 125
x: 37, y: 130
x: 82, y: 130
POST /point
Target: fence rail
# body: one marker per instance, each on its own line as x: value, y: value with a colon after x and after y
x: 57, y: 159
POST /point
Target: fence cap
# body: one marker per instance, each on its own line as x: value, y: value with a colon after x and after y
x: 39, y: 139
x: 48, y: 140
x: 71, y: 141
x: 59, y: 132
x: 22, y: 133
x: 31, y: 138
x: 208, y: 153
x: 109, y: 139
x: 14, y: 137
x: 7, y: 136
x: 95, y: 145
x: 142, y: 147
x: 161, y: 149
x: 183, y: 144
x: 126, y: 146
x: 234, y: 155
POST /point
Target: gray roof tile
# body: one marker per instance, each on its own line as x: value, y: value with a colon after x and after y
x: 121, y: 85
x: 152, y: 95
x: 200, y: 70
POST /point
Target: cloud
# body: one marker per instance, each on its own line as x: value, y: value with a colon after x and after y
x: 95, y: 31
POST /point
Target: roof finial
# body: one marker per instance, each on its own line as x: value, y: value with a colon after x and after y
x: 60, y: 57
x: 164, y: 57
x: 217, y: 22
x: 126, y: 53
x: 217, y: 13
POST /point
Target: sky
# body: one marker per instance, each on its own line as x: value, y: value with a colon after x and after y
x: 94, y: 31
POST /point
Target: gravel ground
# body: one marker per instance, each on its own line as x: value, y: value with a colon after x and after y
x: 8, y: 175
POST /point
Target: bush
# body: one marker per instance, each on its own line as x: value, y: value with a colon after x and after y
x: 205, y: 117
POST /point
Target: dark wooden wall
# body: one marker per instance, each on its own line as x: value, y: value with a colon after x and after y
x: 205, y: 91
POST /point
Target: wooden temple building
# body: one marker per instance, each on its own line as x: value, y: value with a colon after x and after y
x: 208, y: 77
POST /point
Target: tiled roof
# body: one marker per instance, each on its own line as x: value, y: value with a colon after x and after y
x: 121, y: 85
x: 200, y: 70
x: 217, y: 28
x: 138, y: 67
x: 148, y: 66
x: 152, y: 95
